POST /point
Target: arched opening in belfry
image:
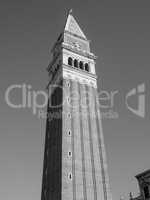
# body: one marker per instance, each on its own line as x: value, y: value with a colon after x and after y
x: 75, y: 63
x: 81, y: 65
x: 87, y: 68
x: 70, y: 61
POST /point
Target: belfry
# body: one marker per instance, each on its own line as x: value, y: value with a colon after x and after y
x: 75, y: 165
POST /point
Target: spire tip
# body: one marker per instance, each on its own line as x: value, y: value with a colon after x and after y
x: 70, y: 11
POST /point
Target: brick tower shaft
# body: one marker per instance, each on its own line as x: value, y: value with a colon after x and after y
x: 75, y: 165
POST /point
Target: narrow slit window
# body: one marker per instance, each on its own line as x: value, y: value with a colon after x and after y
x: 68, y: 99
x: 68, y: 83
x: 69, y: 115
x: 70, y: 176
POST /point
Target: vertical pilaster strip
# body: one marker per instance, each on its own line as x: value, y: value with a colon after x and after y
x: 77, y: 141
x: 91, y: 142
x: 82, y: 142
x: 102, y: 153
x: 97, y: 160
x: 67, y: 187
x: 72, y: 144
x: 86, y: 141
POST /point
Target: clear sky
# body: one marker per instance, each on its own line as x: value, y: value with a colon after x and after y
x: 120, y: 36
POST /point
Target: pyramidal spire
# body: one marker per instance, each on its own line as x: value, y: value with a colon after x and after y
x: 72, y: 26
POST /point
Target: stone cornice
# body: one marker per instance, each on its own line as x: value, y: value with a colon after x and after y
x: 78, y: 51
x: 78, y: 70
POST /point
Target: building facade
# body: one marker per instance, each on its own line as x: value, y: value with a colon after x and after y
x: 144, y: 186
x: 75, y: 165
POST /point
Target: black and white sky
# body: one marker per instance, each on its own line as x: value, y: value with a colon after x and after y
x: 120, y: 36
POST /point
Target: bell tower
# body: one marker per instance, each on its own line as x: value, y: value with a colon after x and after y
x: 75, y: 165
